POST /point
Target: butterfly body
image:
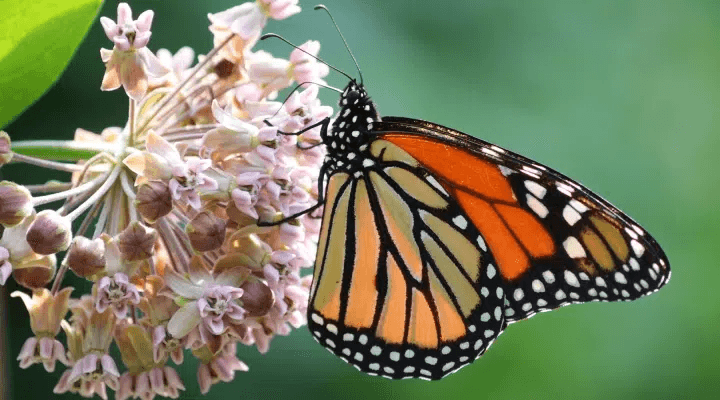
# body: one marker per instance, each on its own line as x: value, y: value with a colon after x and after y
x: 433, y: 242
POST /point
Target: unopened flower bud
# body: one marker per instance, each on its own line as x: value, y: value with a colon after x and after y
x: 206, y: 232
x: 34, y: 272
x: 49, y: 233
x: 153, y: 200
x: 137, y: 241
x: 15, y: 201
x: 257, y: 298
x: 5, y: 152
x: 86, y: 257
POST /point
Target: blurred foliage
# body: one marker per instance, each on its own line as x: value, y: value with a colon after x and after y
x: 621, y: 95
x: 37, y: 41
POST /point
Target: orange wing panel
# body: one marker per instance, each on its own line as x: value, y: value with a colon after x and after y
x: 466, y: 169
x: 513, y: 234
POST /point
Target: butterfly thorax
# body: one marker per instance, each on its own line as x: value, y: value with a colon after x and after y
x: 346, y: 140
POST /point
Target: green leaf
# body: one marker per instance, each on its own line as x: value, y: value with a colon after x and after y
x: 37, y: 41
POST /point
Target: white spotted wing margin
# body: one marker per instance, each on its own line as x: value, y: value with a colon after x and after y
x: 600, y: 254
x: 434, y: 302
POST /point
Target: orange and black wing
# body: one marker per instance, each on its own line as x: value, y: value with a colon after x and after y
x: 403, y: 286
x: 554, y: 241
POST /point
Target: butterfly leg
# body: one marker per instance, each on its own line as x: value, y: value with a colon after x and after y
x: 320, y: 202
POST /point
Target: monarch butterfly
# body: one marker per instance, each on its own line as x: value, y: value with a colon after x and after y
x: 433, y: 242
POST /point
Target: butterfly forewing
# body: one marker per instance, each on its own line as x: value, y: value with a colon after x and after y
x: 555, y: 242
x: 402, y: 286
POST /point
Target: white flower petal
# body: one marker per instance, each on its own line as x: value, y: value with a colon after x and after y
x: 182, y: 286
x: 184, y: 320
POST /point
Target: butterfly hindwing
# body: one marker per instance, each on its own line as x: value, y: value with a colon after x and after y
x: 403, y: 287
x: 555, y: 242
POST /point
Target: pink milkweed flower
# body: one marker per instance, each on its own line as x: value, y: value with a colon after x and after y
x: 213, y: 302
x: 186, y: 178
x: 304, y: 67
x: 178, y: 65
x: 129, y: 62
x: 126, y: 33
x: 221, y: 367
x: 116, y: 292
x: 46, y: 313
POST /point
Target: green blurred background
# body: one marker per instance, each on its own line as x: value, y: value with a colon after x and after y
x: 620, y: 95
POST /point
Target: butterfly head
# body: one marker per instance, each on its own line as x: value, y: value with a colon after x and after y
x: 355, y: 119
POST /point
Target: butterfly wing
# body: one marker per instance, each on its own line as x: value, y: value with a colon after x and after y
x: 555, y: 242
x: 402, y: 285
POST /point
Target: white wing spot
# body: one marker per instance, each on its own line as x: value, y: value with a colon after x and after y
x: 518, y: 295
x: 409, y: 369
x: 463, y: 358
x: 464, y: 345
x: 535, y: 189
x: 571, y: 279
x: 634, y: 264
x: 573, y: 248
x: 541, y: 303
x: 348, y: 337
x: 620, y: 278
x: 355, y: 133
x: 600, y: 282
x: 368, y: 162
x: 509, y: 312
x: 592, y: 292
x: 332, y: 328
x: 481, y: 243
x: 499, y: 293
x: 460, y: 221
x: 560, y: 295
x: 583, y: 276
x: 409, y: 354
x: 478, y: 344
x: 376, y: 350
x: 603, y: 294
x: 625, y: 293
x: 484, y: 291
x: 389, y: 370
x: 526, y: 307
x: 489, y: 333
x: 347, y: 352
x: 471, y: 328
x: 537, y: 206
x: 485, y: 317
x: 317, y: 319
x: 644, y: 283
x: 637, y: 248
x: 330, y: 343
x: 538, y: 286
x: 354, y: 118
x: 580, y: 207
x: 358, y: 356
x: 574, y: 295
x: 571, y: 215
x: 394, y: 355
x: 548, y: 276
x: 505, y: 170
x: 490, y: 271
x: 374, y: 366
x: 448, y: 366
x: 498, y: 313
x: 363, y: 339
x: 431, y: 360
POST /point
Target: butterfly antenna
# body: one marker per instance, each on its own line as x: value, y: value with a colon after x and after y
x: 275, y: 35
x: 322, y: 7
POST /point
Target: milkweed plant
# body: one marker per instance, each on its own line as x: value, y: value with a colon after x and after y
x: 161, y: 214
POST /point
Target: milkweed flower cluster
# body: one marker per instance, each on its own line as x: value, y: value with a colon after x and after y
x: 162, y: 217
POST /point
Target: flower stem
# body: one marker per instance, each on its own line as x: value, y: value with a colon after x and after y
x: 37, y: 201
x: 179, y: 87
x: 97, y: 195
